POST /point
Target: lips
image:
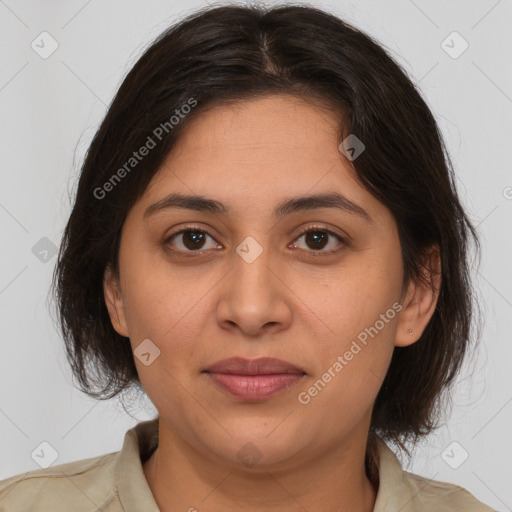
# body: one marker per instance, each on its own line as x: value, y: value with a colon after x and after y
x: 261, y: 366
x: 254, y: 380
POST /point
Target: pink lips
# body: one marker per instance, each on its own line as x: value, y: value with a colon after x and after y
x: 256, y: 379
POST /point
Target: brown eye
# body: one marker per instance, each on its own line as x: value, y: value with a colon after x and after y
x: 316, y: 239
x: 189, y: 240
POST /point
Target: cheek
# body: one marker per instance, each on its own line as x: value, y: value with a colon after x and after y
x: 173, y: 320
x: 354, y: 324
x: 349, y: 370
x: 161, y: 297
x: 172, y: 312
x: 352, y: 297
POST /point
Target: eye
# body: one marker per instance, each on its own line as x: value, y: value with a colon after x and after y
x: 193, y: 240
x: 317, y: 238
x: 190, y: 239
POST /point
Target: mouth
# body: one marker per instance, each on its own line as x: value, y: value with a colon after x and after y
x: 261, y: 366
x: 256, y: 379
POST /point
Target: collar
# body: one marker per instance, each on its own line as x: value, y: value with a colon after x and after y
x: 134, y: 491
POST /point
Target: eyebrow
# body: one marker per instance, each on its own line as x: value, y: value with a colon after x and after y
x: 285, y: 207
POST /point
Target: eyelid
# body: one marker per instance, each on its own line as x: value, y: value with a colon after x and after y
x: 315, y: 227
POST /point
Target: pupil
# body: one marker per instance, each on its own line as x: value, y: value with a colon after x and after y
x: 196, y: 237
x: 316, y: 236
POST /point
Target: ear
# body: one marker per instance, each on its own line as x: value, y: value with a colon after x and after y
x: 114, y: 302
x: 420, y: 300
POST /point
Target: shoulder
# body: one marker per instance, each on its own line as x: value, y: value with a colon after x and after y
x: 87, y: 484
x: 441, y: 496
x: 408, y: 492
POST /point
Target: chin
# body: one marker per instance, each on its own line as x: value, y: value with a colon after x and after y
x: 258, y: 448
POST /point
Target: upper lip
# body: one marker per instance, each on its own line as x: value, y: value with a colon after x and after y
x: 261, y: 366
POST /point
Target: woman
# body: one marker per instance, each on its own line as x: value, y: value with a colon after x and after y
x: 267, y: 240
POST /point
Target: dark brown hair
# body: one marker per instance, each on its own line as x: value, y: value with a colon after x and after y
x: 231, y: 53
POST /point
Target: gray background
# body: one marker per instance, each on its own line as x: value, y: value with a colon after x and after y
x: 50, y: 108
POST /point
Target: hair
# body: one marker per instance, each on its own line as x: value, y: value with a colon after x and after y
x: 228, y: 54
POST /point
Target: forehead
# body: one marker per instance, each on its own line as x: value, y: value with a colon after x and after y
x: 258, y: 152
x: 267, y: 139
x: 266, y: 123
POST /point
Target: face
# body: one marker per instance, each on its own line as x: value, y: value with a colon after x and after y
x: 317, y: 287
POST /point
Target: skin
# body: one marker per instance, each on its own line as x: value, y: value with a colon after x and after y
x: 290, y: 303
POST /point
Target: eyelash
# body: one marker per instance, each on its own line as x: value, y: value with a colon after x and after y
x: 306, y: 230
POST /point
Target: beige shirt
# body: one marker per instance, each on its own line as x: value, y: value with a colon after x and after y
x: 116, y: 482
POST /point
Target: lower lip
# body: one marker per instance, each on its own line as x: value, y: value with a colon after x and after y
x: 255, y: 387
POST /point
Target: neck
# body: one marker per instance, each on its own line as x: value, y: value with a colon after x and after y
x: 181, y: 478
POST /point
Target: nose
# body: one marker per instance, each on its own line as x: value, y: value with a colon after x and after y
x: 254, y: 296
